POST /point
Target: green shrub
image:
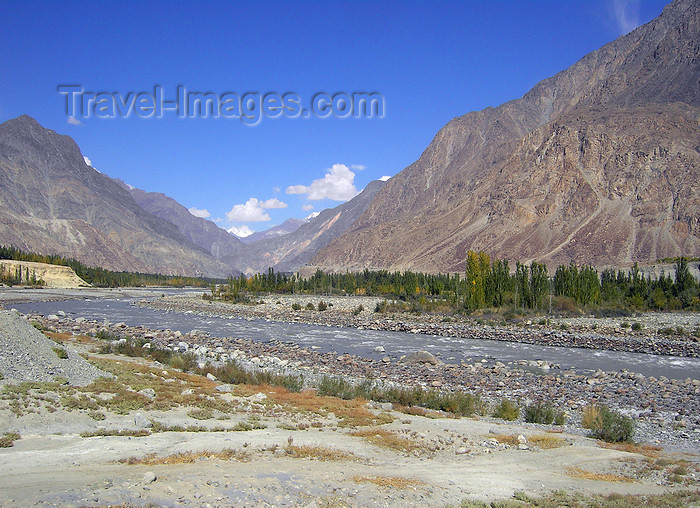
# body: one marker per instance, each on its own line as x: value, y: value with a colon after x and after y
x: 625, y: 324
x: 60, y: 352
x: 296, y: 306
x: 612, y: 426
x: 357, y: 310
x: 9, y: 439
x: 507, y: 410
x: 322, y: 306
x: 381, y: 306
x: 310, y: 306
x: 637, y: 326
x: 544, y: 413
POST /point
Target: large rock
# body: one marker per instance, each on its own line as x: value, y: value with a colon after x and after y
x: 421, y: 357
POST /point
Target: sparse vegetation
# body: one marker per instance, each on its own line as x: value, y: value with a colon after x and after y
x: 546, y: 441
x: 60, y: 352
x: 187, y: 457
x: 506, y: 410
x: 394, y: 482
x: 544, y: 413
x: 576, y: 472
x: 459, y: 403
x: 8, y: 440
x: 608, y: 425
x: 114, y: 432
x: 390, y: 439
x: 317, y: 452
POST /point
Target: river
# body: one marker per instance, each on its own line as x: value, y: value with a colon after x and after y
x: 363, y: 342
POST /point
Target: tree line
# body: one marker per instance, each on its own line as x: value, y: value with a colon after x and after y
x: 489, y: 283
x: 99, y: 277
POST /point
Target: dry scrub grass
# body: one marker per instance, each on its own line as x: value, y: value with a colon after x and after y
x: 509, y: 439
x: 394, y: 482
x: 576, y: 472
x: 389, y: 439
x: 650, y: 451
x: 318, y: 452
x: 351, y: 413
x: 546, y: 441
x: 187, y: 457
x: 69, y: 337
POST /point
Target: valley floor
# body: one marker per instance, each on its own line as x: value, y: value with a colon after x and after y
x: 156, y: 435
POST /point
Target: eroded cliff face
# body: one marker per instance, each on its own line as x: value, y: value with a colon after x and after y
x: 598, y: 164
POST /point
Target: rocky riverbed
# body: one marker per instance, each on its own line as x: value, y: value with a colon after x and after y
x: 680, y: 337
x: 666, y: 411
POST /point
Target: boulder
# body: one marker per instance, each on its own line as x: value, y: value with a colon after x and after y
x: 421, y: 357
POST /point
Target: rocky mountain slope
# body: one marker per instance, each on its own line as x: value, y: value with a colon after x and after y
x: 52, y: 202
x: 288, y: 226
x: 597, y: 164
x: 287, y: 253
x: 202, y: 232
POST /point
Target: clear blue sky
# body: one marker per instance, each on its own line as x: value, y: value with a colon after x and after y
x: 431, y: 61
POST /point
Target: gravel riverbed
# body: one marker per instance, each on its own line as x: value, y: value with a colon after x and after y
x: 666, y: 411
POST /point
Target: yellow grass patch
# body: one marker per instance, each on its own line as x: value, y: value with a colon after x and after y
x: 318, y: 452
x: 576, y: 472
x: 187, y: 457
x: 546, y: 441
x: 509, y: 439
x: 389, y: 439
x: 394, y: 482
x: 352, y: 413
x: 646, y: 450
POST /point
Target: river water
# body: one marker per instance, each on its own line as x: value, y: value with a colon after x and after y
x: 363, y: 342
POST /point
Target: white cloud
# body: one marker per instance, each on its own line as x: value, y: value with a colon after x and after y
x: 307, y: 207
x: 313, y: 215
x: 202, y: 213
x: 253, y: 210
x: 626, y: 14
x: 384, y: 178
x: 73, y: 121
x: 337, y: 184
x: 273, y: 203
x: 241, y: 232
x: 358, y: 167
x: 87, y: 161
x: 276, y: 189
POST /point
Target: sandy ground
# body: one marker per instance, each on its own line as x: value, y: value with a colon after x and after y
x: 452, y: 458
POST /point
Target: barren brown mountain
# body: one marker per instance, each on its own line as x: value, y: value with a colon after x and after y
x: 598, y: 164
x: 51, y: 202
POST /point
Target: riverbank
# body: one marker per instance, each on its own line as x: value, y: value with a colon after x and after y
x: 613, y: 334
x: 155, y: 436
x: 666, y: 411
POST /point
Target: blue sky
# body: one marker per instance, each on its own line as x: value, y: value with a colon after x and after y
x: 430, y: 61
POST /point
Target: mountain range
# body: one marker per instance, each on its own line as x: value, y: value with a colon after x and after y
x: 598, y: 164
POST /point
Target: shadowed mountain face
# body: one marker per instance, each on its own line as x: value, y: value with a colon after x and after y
x: 202, y: 232
x: 52, y: 202
x: 598, y: 164
x: 289, y: 252
x: 288, y: 226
